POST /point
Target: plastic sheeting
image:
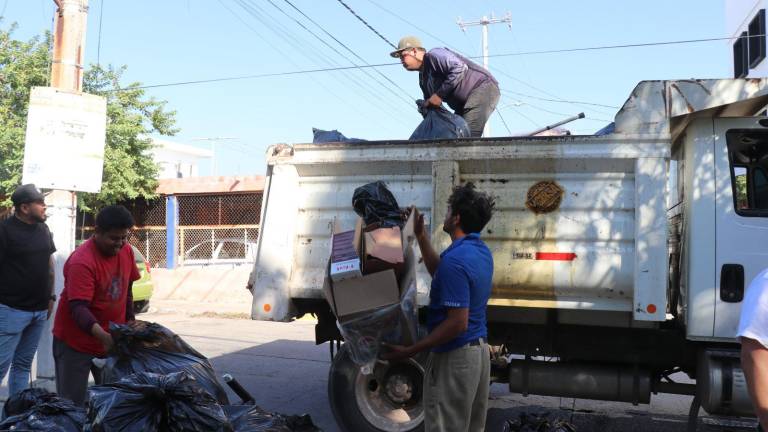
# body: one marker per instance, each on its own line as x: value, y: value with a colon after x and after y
x: 250, y: 418
x: 365, y: 334
x: 149, y: 347
x: 148, y: 402
x: 377, y: 206
x: 439, y: 123
x: 39, y: 410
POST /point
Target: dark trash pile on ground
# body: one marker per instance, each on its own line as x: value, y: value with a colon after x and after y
x: 537, y: 423
x: 154, y: 381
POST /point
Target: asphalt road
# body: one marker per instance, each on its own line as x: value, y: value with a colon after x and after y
x: 286, y: 372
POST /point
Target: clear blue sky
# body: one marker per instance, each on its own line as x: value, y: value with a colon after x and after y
x: 183, y: 40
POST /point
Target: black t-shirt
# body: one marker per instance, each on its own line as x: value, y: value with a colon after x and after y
x: 25, y: 251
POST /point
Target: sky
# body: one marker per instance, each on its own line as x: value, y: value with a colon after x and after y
x: 173, y: 41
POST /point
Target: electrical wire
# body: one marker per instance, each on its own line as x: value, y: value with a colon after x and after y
x: 559, y: 100
x: 98, y: 46
x: 364, y: 22
x: 410, y: 102
x: 504, y: 122
x: 274, y: 25
x: 363, y: 84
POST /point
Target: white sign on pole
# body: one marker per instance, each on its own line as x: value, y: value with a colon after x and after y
x: 64, y: 147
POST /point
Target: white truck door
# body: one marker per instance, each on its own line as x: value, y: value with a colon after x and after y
x: 741, y: 177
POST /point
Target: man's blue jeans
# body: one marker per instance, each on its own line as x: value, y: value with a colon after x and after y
x: 19, y: 336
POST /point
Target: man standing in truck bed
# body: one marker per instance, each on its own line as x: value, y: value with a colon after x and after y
x: 470, y: 90
x: 457, y: 376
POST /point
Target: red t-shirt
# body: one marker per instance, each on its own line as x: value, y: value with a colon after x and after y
x: 101, y: 280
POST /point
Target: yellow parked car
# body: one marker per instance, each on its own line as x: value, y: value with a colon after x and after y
x: 142, y: 288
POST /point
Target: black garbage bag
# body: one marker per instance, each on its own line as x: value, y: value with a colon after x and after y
x: 148, y: 402
x: 250, y: 418
x: 439, y: 123
x: 24, y: 400
x: 537, y: 423
x: 377, y: 206
x: 149, y: 347
x: 49, y: 413
x: 324, y: 136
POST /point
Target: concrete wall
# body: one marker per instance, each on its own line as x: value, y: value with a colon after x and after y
x: 218, y: 289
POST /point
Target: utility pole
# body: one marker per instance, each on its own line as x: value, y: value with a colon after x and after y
x: 213, y: 141
x: 485, y: 21
x: 66, y: 75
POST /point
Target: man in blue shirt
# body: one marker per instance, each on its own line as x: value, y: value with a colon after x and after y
x: 470, y: 90
x: 457, y: 376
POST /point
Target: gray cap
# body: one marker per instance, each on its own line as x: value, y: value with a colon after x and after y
x: 26, y: 194
x: 405, y: 43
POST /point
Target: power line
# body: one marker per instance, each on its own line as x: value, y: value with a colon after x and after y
x: 324, y: 42
x: 366, y: 24
x: 504, y: 122
x: 98, y: 46
x: 273, y: 24
x: 410, y: 102
x: 559, y: 100
x: 246, y: 77
x: 634, y: 45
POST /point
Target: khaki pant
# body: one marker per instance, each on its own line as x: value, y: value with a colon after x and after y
x: 456, y: 386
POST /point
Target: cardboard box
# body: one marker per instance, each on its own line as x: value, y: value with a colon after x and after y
x: 382, y: 249
x: 345, y: 259
x: 356, y: 296
x: 351, y: 296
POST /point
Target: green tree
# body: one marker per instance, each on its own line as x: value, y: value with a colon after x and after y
x: 129, y: 171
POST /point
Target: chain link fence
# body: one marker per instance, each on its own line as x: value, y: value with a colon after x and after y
x: 213, y: 229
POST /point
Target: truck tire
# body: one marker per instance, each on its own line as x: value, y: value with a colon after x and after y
x: 388, y: 400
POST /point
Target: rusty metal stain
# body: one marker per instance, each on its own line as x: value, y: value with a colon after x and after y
x: 544, y: 197
x: 687, y: 103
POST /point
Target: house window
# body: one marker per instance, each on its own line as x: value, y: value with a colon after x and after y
x: 757, y: 39
x: 740, y: 56
x: 748, y: 156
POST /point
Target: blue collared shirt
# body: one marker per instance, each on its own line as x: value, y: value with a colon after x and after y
x: 462, y: 280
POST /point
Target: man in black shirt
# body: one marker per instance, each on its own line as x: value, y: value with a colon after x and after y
x: 26, y: 284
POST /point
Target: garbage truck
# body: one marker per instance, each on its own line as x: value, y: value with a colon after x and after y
x: 621, y: 258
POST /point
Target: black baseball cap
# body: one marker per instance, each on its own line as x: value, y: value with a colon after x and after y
x: 26, y: 194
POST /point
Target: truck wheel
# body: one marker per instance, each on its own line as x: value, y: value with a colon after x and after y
x: 388, y: 400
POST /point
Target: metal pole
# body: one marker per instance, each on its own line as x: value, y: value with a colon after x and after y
x: 66, y: 74
x: 560, y: 123
x: 484, y: 21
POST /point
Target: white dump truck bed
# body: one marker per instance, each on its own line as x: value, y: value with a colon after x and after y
x: 580, y: 224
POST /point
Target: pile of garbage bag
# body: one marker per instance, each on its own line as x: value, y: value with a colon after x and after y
x: 149, y: 402
x: 149, y: 347
x: 537, y: 423
x: 37, y: 409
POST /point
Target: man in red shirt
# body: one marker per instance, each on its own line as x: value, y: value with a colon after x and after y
x: 98, y: 278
